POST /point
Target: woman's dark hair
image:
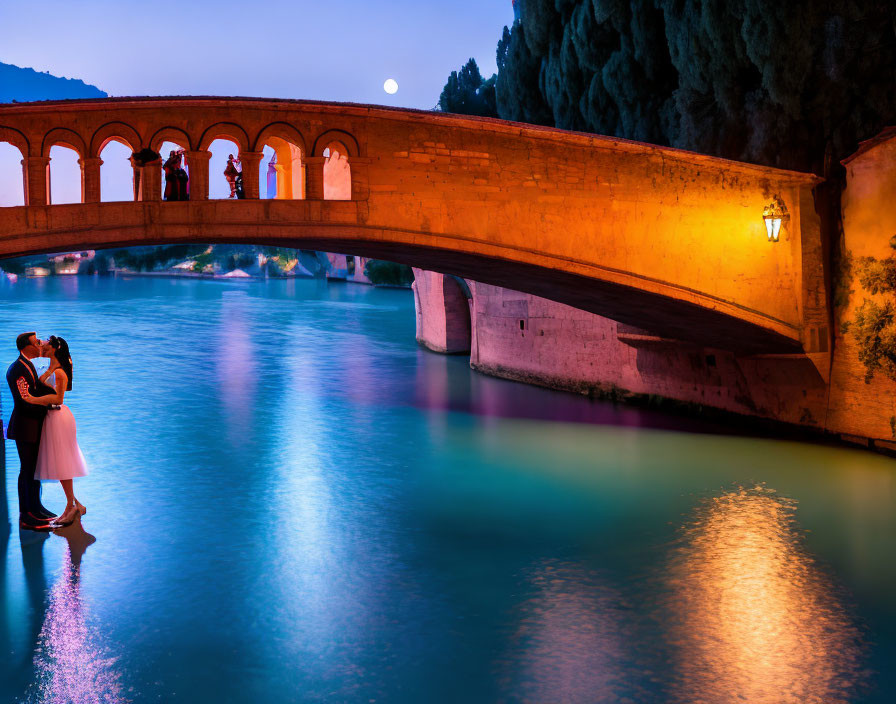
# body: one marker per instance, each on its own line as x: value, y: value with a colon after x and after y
x: 64, y: 357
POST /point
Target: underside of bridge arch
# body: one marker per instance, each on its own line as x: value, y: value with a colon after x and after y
x: 678, y: 314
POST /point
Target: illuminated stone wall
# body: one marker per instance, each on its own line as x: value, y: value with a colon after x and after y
x: 534, y: 340
x: 860, y: 407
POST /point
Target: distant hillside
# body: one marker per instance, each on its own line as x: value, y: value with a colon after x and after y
x: 26, y: 84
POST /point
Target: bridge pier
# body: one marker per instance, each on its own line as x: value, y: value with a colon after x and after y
x: 148, y: 180
x: 314, y: 177
x: 37, y: 180
x: 358, y: 168
x: 443, y: 312
x: 90, y: 179
x: 251, y: 162
x: 197, y: 163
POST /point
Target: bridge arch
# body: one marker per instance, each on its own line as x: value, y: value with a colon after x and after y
x: 325, y: 140
x: 17, y: 139
x: 63, y: 137
x: 114, y: 132
x: 13, y: 176
x: 281, y: 130
x: 224, y: 130
x: 169, y: 134
x: 116, y: 172
x: 288, y: 145
x: 67, y: 175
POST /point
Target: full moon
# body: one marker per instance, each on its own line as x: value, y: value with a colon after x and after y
x: 390, y: 86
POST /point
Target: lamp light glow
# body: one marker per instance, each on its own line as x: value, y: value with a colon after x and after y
x: 774, y: 214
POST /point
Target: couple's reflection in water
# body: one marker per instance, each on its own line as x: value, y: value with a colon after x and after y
x: 739, y: 612
x: 70, y: 664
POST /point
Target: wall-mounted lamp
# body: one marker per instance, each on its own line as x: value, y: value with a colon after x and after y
x: 774, y: 214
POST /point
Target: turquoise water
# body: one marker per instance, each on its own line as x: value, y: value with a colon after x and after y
x: 290, y: 501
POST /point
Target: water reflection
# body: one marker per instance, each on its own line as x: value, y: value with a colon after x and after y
x: 756, y: 620
x: 572, y: 642
x: 70, y: 663
x: 235, y: 362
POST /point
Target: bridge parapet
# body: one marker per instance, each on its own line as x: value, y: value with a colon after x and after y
x: 659, y: 238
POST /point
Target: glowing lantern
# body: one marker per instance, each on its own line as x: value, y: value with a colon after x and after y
x: 774, y: 214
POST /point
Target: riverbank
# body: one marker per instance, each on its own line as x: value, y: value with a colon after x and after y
x: 536, y: 341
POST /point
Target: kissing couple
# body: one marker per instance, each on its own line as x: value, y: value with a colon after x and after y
x: 44, y: 431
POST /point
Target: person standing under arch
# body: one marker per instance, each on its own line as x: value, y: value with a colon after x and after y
x: 233, y: 175
x: 176, y: 179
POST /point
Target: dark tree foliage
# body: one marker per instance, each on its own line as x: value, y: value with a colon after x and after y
x: 382, y: 273
x: 789, y: 84
x: 467, y: 93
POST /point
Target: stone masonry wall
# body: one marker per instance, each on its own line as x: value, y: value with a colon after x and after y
x: 860, y: 406
x: 443, y: 314
x: 534, y: 340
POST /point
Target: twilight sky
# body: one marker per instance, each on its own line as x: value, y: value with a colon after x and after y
x: 336, y: 50
x: 326, y: 50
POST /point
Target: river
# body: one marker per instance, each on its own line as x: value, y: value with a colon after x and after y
x: 290, y: 501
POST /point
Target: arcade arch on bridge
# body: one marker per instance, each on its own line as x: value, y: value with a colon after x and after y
x: 65, y: 179
x: 165, y: 142
x: 336, y: 148
x: 65, y: 175
x: 114, y: 132
x: 219, y: 152
x: 13, y: 149
x: 111, y: 146
x: 337, y: 172
x: 282, y: 169
x: 115, y: 165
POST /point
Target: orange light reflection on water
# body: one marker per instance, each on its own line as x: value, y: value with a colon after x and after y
x: 755, y: 619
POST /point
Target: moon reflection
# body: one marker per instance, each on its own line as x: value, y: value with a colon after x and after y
x: 755, y: 619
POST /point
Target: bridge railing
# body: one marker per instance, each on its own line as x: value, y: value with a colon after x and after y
x: 315, y: 163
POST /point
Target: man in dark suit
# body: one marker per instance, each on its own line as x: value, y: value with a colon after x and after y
x: 25, y: 424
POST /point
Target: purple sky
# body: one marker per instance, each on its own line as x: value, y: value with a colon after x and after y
x: 337, y: 50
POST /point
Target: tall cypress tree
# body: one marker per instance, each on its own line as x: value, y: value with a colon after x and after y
x: 467, y: 93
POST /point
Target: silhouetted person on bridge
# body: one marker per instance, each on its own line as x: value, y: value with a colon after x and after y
x: 233, y: 176
x: 176, y: 180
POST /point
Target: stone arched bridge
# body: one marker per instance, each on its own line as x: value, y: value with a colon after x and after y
x: 665, y: 240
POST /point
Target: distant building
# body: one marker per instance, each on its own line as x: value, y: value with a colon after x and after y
x: 84, y: 255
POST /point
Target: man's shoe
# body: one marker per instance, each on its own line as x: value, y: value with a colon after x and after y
x: 45, y: 513
x: 29, y: 523
x: 37, y: 517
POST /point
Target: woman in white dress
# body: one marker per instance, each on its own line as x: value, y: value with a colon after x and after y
x: 59, y: 457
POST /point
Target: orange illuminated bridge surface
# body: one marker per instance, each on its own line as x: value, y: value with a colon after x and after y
x: 669, y: 241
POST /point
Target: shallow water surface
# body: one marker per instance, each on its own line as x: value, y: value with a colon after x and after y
x: 290, y: 501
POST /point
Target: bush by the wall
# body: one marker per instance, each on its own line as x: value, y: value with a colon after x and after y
x: 383, y: 273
